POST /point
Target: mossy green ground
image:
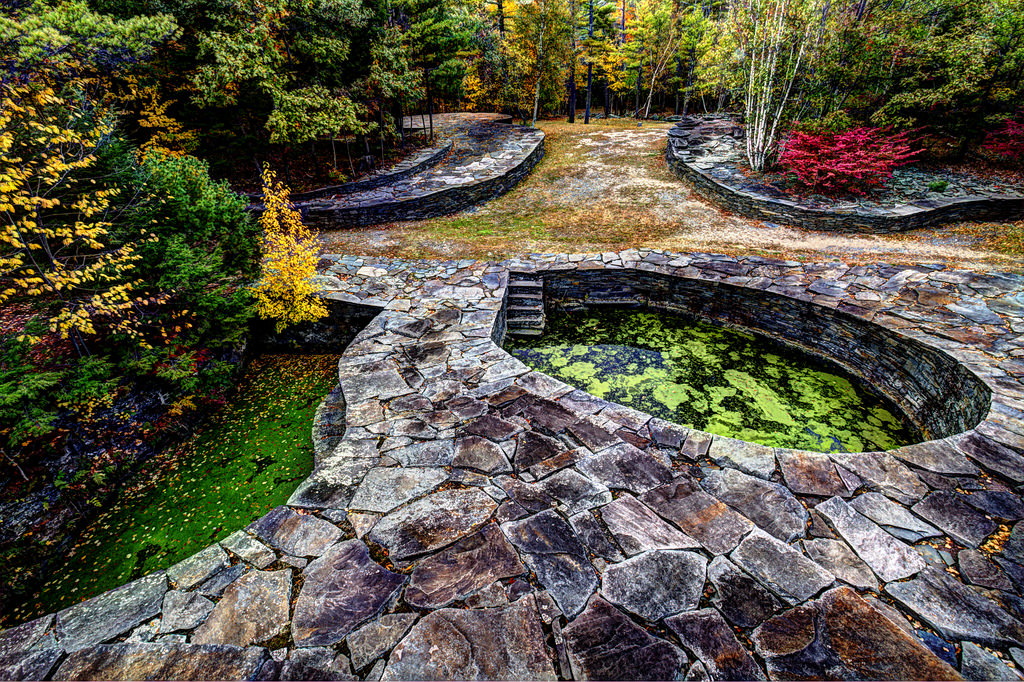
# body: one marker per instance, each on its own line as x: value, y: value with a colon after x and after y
x: 247, y: 460
x: 714, y: 379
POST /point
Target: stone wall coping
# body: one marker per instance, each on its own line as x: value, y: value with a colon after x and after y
x: 421, y: 160
x: 524, y: 148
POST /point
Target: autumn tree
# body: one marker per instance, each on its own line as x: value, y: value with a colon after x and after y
x: 601, y: 51
x: 286, y: 53
x: 538, y: 51
x: 438, y: 33
x: 54, y: 243
x: 653, y: 42
x: 285, y: 291
x: 110, y: 267
x: 67, y: 40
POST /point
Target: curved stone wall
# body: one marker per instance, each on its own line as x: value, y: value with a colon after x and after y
x: 469, y: 518
x: 718, y: 187
x: 417, y: 163
x: 939, y: 395
x: 441, y: 190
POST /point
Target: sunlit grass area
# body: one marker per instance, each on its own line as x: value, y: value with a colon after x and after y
x: 606, y: 186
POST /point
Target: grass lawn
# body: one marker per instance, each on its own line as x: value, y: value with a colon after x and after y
x: 606, y: 186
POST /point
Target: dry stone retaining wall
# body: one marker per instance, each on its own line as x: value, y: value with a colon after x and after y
x: 418, y: 162
x: 469, y: 518
x: 723, y: 188
x: 444, y: 189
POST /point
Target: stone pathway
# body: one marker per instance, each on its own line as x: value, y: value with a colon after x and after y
x: 486, y: 157
x: 469, y: 518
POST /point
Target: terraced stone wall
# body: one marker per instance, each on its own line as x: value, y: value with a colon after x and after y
x: 421, y: 160
x: 924, y: 213
x: 450, y: 200
x: 939, y: 395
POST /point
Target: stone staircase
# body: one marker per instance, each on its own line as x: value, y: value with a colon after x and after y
x: 525, y: 312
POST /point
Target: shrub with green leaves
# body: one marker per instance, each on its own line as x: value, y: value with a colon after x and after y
x: 199, y: 249
x: 203, y: 245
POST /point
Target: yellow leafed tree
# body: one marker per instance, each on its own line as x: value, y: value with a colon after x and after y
x: 54, y: 242
x: 167, y: 134
x: 285, y: 292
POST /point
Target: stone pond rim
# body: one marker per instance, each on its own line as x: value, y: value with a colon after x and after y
x: 937, y: 394
x: 425, y: 388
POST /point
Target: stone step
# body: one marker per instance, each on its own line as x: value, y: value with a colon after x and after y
x: 528, y: 296
x: 519, y: 312
x: 526, y: 331
x: 526, y: 322
x: 526, y: 284
x: 521, y: 304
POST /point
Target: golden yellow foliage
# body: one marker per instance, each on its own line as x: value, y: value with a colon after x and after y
x: 285, y: 292
x: 168, y: 134
x: 53, y: 220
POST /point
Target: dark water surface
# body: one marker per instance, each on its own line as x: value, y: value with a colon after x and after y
x: 247, y: 460
x: 714, y: 379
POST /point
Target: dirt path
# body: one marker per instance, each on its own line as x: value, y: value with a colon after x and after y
x: 607, y: 187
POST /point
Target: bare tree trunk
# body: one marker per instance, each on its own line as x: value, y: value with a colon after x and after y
x: 689, y: 80
x: 639, y: 72
x: 16, y: 465
x: 590, y: 75
x: 679, y: 78
x: 540, y: 60
x: 401, y: 122
x: 572, y: 61
x: 572, y: 93
x: 590, y: 65
x: 430, y: 101
x: 659, y: 66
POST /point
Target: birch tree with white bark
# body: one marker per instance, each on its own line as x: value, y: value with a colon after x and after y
x: 778, y: 42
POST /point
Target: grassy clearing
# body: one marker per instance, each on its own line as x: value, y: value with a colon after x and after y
x: 606, y: 186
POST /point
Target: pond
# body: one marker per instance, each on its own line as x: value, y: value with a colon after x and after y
x: 247, y: 460
x: 714, y: 379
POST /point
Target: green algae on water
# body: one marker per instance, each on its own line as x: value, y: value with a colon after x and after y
x: 247, y: 460
x: 719, y: 380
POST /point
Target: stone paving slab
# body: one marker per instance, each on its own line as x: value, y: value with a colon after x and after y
x: 531, y: 551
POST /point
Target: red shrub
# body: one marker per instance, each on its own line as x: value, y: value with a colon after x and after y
x: 1007, y: 142
x: 850, y: 162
